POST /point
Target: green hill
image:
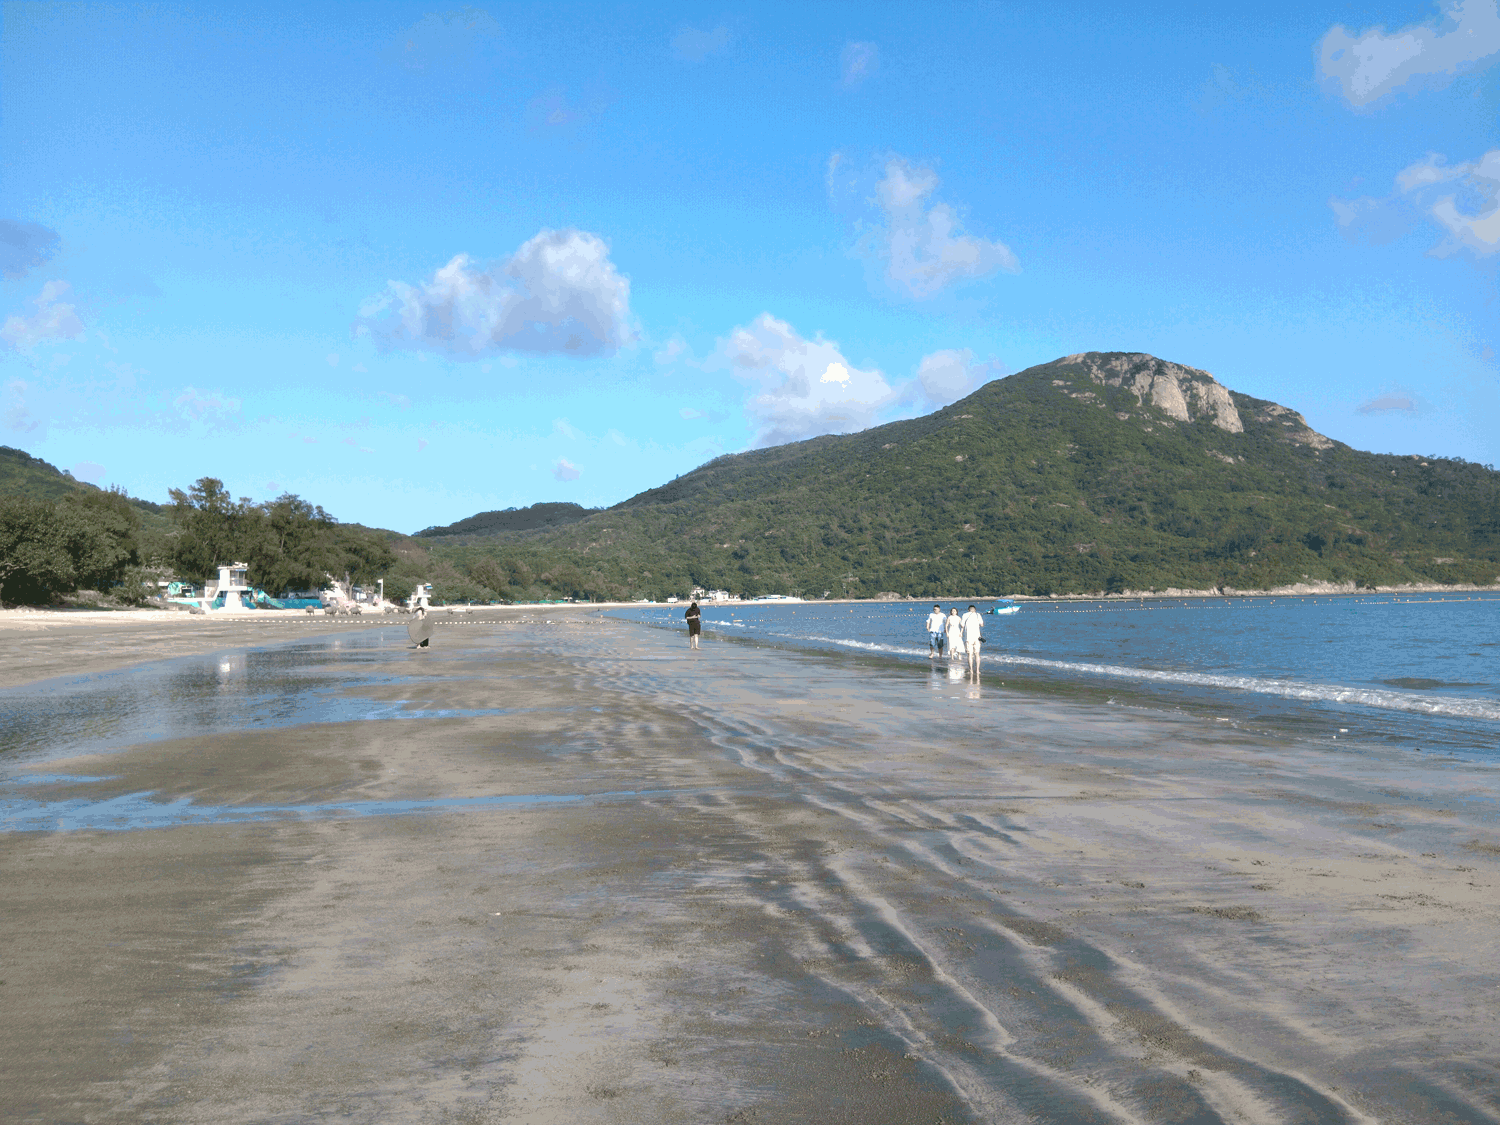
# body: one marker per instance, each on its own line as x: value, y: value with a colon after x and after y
x: 1099, y: 471
x: 21, y: 474
x: 512, y: 519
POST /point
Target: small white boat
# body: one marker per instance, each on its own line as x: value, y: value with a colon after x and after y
x: 1006, y: 606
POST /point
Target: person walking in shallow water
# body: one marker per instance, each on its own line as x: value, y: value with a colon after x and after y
x: 695, y: 624
x: 935, y: 632
x: 973, y: 627
x: 954, y: 629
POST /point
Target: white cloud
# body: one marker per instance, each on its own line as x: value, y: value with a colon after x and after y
x: 559, y: 293
x: 211, y: 407
x: 947, y: 376
x: 670, y: 352
x: 1469, y: 215
x: 443, y: 41
x: 54, y: 319
x: 801, y: 388
x: 554, y: 112
x: 564, y: 428
x: 90, y: 471
x: 1367, y: 67
x: 923, y: 249
x: 16, y: 413
x: 400, y: 402
x: 692, y: 45
x: 1389, y: 403
x: 1475, y: 227
x: 563, y: 469
x: 24, y: 246
x: 333, y: 359
x: 857, y: 62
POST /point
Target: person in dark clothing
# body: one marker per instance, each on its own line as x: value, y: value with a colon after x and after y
x: 695, y: 624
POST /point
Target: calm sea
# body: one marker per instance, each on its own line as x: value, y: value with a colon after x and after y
x: 1420, y: 670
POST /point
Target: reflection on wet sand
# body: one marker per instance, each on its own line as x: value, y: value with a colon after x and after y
x: 761, y: 886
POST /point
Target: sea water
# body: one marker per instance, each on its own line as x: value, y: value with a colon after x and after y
x: 1419, y: 670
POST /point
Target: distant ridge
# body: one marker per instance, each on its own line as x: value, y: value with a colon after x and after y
x: 21, y: 474
x: 513, y: 519
x: 1100, y: 471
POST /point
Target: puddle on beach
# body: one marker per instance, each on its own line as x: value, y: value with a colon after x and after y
x: 314, y: 681
x: 139, y: 810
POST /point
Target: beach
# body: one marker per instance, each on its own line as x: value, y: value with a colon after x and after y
x: 560, y: 869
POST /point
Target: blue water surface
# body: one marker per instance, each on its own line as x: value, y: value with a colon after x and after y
x: 1421, y: 669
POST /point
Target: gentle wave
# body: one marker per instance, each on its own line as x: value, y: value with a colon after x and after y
x: 1462, y: 707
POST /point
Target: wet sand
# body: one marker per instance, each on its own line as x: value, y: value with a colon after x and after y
x: 744, y: 884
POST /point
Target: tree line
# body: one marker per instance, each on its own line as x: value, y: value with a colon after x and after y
x: 97, y: 540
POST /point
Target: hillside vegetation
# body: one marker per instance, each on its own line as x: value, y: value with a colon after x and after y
x: 1096, y: 472
x: 1099, y: 472
x: 512, y: 519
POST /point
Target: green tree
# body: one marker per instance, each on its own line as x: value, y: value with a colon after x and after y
x: 34, y: 559
x: 100, y: 530
x: 212, y: 527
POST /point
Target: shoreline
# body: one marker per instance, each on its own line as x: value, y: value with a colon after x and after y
x: 741, y: 881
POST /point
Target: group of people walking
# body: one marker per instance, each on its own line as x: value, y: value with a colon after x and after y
x: 960, y: 637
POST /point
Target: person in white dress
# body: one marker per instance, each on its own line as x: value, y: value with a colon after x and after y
x: 953, y: 627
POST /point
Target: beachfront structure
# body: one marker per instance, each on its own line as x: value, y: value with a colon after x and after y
x: 231, y: 589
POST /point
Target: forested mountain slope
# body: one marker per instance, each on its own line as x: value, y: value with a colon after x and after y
x: 1098, y: 471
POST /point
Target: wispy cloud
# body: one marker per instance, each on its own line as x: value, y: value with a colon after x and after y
x: 692, y: 45
x: 24, y: 246
x: 919, y: 244
x: 443, y: 41
x: 53, y: 319
x: 554, y: 112
x: 1395, y: 401
x: 673, y: 351
x: 1387, y: 403
x: 1365, y: 68
x: 858, y: 62
x: 210, y: 407
x: 16, y: 411
x: 559, y: 293
x: 563, y: 469
x: 1461, y: 199
x: 400, y: 402
x: 947, y: 376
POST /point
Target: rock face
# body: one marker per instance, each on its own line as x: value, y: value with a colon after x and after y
x: 1294, y: 427
x: 1184, y: 393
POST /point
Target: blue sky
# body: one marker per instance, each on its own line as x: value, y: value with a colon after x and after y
x: 412, y: 264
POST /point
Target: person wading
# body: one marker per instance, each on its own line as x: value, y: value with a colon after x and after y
x: 973, y: 627
x: 954, y: 629
x: 935, y: 632
x: 695, y: 624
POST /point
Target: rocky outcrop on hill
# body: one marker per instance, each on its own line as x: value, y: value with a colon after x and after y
x: 1183, y: 393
